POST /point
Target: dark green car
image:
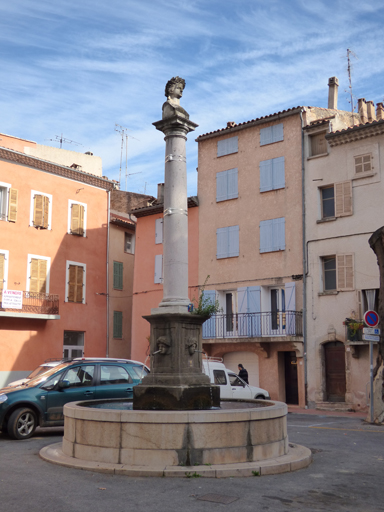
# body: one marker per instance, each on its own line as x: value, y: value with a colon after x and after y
x: 40, y: 401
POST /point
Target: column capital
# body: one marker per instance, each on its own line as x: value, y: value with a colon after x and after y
x: 175, y: 125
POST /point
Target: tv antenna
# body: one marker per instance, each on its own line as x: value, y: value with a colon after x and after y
x: 62, y: 140
x: 349, y: 69
x: 124, y: 135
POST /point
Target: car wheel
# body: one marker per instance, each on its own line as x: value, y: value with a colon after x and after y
x: 22, y: 423
x: 260, y: 397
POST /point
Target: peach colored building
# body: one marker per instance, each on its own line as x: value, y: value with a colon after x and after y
x: 53, y: 247
x: 147, y: 283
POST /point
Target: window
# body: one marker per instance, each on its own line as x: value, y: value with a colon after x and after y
x: 111, y: 375
x: 118, y: 324
x: 75, y: 282
x: 77, y: 218
x: 159, y: 231
x: 318, y: 144
x: 227, y: 242
x: 129, y: 243
x: 219, y: 377
x: 226, y: 185
x: 80, y: 376
x: 41, y: 210
x: 271, y: 134
x: 272, y: 174
x: 8, y: 202
x: 227, y: 146
x: 4, y: 255
x: 73, y: 344
x: 158, y: 268
x: 38, y: 274
x: 336, y: 200
x: 363, y: 164
x: 117, y: 275
x: 272, y: 235
x: 370, y: 300
x: 338, y: 272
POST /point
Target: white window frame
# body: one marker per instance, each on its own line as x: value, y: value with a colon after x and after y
x: 37, y: 257
x: 36, y: 192
x: 7, y: 187
x: 70, y: 203
x: 77, y: 264
x: 6, y: 259
x: 132, y: 251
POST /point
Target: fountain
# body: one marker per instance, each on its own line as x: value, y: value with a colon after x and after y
x: 177, y: 425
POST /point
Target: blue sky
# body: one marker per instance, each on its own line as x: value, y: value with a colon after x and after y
x: 78, y: 67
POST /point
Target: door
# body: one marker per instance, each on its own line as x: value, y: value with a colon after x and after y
x: 115, y: 382
x: 291, y: 383
x: 334, y: 353
x: 240, y: 390
x: 277, y: 325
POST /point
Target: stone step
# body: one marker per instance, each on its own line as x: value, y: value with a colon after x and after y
x: 334, y: 406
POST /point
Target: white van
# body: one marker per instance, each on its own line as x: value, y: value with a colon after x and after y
x: 231, y: 386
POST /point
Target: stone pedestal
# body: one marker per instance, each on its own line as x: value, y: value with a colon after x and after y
x: 176, y: 381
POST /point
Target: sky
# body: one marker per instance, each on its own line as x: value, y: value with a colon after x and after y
x: 78, y: 68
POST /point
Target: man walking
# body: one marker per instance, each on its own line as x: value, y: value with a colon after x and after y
x: 243, y: 374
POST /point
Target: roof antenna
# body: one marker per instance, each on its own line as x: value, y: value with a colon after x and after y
x: 123, y: 132
x: 66, y: 141
x: 349, y: 68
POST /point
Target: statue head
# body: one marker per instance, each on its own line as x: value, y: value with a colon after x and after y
x: 163, y: 345
x: 192, y: 345
x: 174, y: 89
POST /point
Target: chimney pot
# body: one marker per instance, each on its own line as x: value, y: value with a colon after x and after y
x: 362, y: 110
x: 379, y: 111
x: 231, y: 124
x: 160, y: 192
x: 371, y: 111
x: 333, y: 84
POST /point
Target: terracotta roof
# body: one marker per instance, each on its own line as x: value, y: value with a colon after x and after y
x: 120, y: 220
x: 159, y: 208
x: 246, y: 124
x: 60, y: 170
x: 359, y: 131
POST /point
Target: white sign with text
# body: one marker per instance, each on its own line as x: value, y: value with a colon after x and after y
x: 12, y: 299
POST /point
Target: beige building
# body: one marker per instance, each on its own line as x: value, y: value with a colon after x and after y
x: 343, y: 191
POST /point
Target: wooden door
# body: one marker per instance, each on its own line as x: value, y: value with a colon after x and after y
x: 291, y: 383
x: 335, y: 371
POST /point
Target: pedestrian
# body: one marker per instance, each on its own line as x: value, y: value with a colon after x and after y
x: 243, y: 374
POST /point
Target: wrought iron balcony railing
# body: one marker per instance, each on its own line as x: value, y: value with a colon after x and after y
x: 36, y: 303
x: 253, y: 325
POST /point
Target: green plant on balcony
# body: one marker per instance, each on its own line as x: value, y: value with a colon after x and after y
x: 354, y: 329
x: 204, y: 305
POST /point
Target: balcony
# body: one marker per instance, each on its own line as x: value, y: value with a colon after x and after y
x: 255, y: 325
x: 42, y: 306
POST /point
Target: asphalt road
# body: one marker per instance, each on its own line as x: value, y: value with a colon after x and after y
x: 345, y: 475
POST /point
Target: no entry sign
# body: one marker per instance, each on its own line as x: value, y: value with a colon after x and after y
x: 371, y: 318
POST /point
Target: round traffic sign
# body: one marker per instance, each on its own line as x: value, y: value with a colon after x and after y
x: 371, y: 318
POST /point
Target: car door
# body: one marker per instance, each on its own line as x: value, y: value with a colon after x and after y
x: 114, y: 382
x: 80, y: 386
x: 239, y: 388
x: 220, y: 379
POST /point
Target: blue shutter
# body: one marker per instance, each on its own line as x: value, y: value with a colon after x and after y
x: 278, y: 173
x: 242, y: 308
x: 277, y: 132
x: 266, y: 136
x: 265, y: 175
x: 233, y: 241
x: 227, y: 146
x: 159, y: 231
x: 221, y: 243
x: 266, y: 235
x: 158, y: 268
x: 278, y: 234
x: 233, y: 191
x: 221, y: 186
x: 290, y: 301
x: 254, y: 306
x: 209, y: 326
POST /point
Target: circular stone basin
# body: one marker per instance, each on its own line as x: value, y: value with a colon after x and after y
x: 241, y: 431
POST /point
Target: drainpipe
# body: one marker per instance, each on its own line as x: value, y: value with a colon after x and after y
x: 109, y: 213
x: 304, y: 261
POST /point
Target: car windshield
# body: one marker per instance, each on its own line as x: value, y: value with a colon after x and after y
x: 40, y: 369
x: 44, y: 376
x: 137, y: 372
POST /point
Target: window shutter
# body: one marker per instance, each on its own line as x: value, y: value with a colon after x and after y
x: 221, y: 186
x: 345, y: 272
x: 227, y: 146
x: 232, y: 175
x: 265, y: 175
x: 266, y: 136
x: 209, y: 326
x: 233, y: 241
x: 266, y: 236
x: 77, y: 219
x: 38, y: 211
x: 277, y: 132
x: 343, y: 199
x: 242, y: 300
x: 117, y: 324
x: 79, y: 284
x: 38, y: 276
x: 363, y: 164
x: 117, y: 275
x: 159, y: 231
x: 318, y: 144
x: 279, y: 234
x: 221, y: 243
x: 2, y: 267
x: 278, y: 173
x: 45, y: 212
x: 290, y: 309
x: 75, y: 283
x: 158, y: 268
x: 254, y: 306
x: 12, y: 205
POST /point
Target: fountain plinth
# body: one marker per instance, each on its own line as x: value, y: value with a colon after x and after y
x: 176, y: 381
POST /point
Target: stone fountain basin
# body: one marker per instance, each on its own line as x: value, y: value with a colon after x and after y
x: 240, y: 432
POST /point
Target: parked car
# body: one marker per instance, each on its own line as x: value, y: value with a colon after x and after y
x: 231, y: 386
x: 40, y: 401
x: 43, y: 368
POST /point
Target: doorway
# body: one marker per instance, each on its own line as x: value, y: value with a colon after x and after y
x: 334, y: 356
x: 291, y: 382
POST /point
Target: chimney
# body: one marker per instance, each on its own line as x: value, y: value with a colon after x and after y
x: 379, y: 111
x: 362, y: 110
x: 371, y: 111
x: 333, y: 84
x: 231, y: 124
x: 160, y: 192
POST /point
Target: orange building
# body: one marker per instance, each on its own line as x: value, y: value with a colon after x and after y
x: 53, y: 255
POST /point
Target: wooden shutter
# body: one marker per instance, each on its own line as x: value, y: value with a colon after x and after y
x: 117, y: 324
x: 75, y: 283
x: 221, y: 186
x: 266, y: 136
x: 344, y: 272
x: 278, y: 173
x: 266, y: 236
x: 363, y: 164
x: 279, y: 234
x: 158, y: 268
x: 12, y: 205
x: 318, y: 144
x: 227, y: 146
x: 277, y: 132
x: 77, y: 219
x: 40, y: 211
x: 38, y: 276
x: 233, y: 241
x: 159, y: 231
x: 2, y: 269
x: 265, y: 175
x: 117, y: 275
x: 221, y: 243
x: 343, y: 199
x: 254, y: 306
